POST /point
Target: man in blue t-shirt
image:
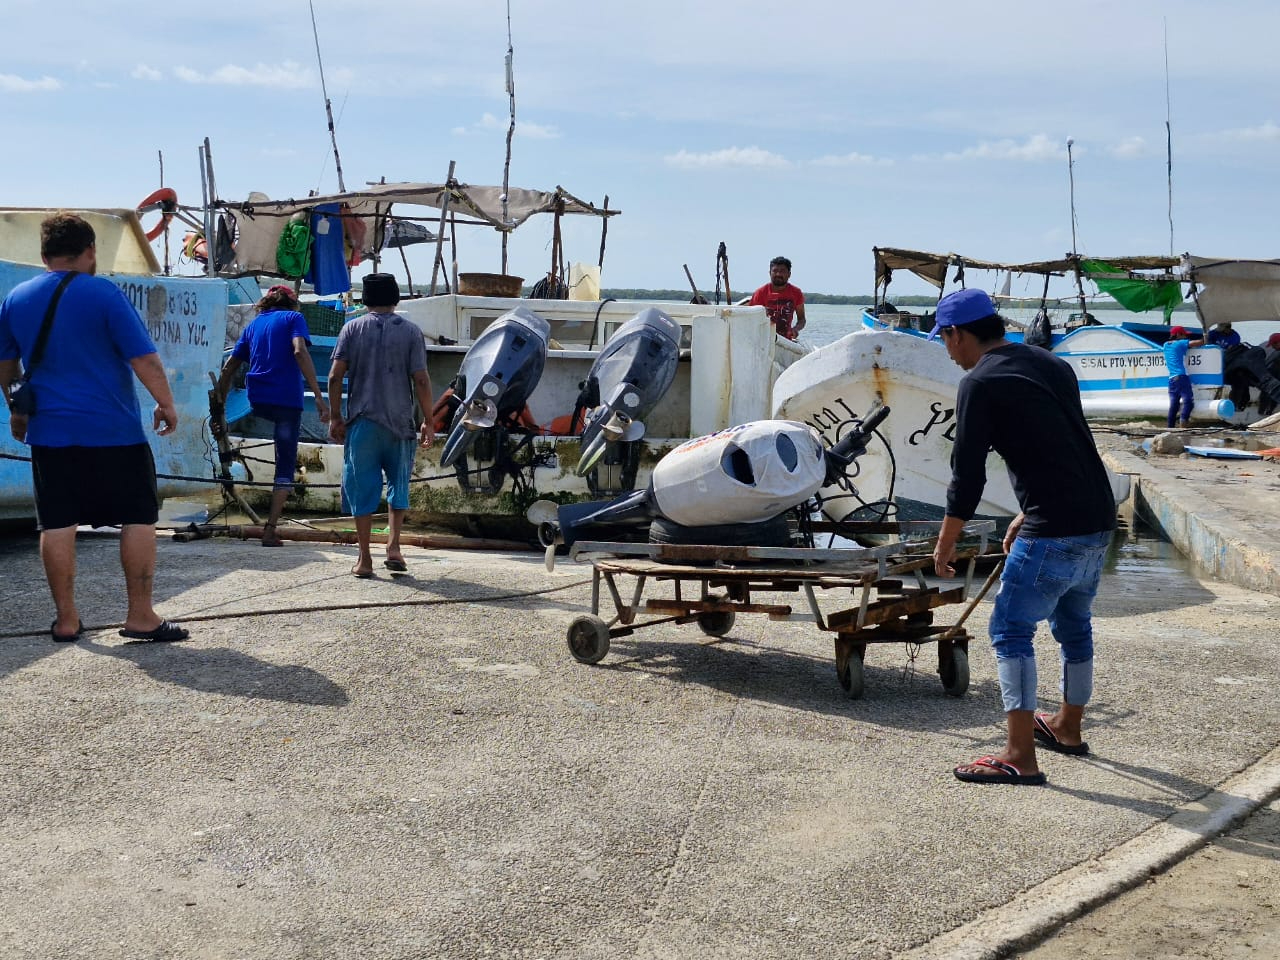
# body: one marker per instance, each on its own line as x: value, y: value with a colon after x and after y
x: 90, y: 461
x: 1181, y: 399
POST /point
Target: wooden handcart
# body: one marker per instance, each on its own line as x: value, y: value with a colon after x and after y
x: 711, y: 585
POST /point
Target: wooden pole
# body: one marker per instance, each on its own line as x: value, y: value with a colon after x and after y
x: 444, y: 211
x: 604, y: 230
x: 430, y: 541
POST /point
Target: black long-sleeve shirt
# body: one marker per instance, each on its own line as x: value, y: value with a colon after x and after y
x: 1024, y: 403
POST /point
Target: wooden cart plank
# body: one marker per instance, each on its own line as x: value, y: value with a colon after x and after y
x: 880, y: 611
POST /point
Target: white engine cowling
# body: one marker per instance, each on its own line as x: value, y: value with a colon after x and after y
x: 745, y: 474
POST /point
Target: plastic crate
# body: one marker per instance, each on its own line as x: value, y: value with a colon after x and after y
x: 322, y: 320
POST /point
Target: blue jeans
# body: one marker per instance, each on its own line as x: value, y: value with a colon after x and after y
x: 1054, y: 579
x: 1180, y: 395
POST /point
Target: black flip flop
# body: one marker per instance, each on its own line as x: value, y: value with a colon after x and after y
x: 1004, y: 773
x: 1046, y: 738
x: 66, y: 637
x: 165, y: 633
x: 395, y: 566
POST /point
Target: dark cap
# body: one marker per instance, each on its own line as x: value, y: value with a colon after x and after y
x: 380, y: 290
x: 963, y: 306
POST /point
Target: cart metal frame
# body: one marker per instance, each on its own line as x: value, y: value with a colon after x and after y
x: 887, y: 608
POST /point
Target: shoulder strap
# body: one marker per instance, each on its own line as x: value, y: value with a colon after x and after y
x: 37, y: 352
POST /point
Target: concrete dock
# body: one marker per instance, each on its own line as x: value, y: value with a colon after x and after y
x: 415, y: 767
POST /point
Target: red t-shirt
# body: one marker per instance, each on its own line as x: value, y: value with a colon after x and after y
x: 780, y: 305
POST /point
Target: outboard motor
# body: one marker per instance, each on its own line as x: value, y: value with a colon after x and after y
x: 629, y: 377
x: 733, y: 487
x: 496, y: 377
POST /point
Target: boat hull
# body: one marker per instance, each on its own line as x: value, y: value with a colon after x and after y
x: 905, y: 472
x: 728, y: 359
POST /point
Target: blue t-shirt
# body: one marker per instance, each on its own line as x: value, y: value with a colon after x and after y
x: 1175, y: 357
x: 84, y: 384
x: 267, y: 346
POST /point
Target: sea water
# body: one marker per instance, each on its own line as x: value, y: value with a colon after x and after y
x: 828, y: 322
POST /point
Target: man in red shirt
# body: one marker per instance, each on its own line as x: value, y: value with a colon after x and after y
x: 783, y: 302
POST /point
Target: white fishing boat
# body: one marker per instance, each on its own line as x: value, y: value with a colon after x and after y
x: 728, y: 358
x: 186, y: 317
x: 891, y: 361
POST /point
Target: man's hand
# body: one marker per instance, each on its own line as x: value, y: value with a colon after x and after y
x: 944, y: 555
x: 18, y: 426
x: 1012, y: 533
x: 165, y: 419
x: 337, y: 428
x: 427, y: 432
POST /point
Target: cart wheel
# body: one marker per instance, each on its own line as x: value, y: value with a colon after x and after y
x: 588, y: 639
x: 954, y: 669
x: 850, y: 675
x: 716, y: 623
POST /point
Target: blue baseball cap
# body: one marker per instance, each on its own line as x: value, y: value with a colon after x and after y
x: 963, y: 306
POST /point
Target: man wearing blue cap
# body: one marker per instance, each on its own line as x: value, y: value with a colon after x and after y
x: 1024, y: 403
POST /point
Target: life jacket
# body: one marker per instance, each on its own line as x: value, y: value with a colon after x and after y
x: 293, y: 253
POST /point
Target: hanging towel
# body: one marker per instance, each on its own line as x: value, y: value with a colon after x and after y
x: 328, y: 273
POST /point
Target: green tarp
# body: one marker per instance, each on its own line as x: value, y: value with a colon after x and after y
x: 1134, y: 294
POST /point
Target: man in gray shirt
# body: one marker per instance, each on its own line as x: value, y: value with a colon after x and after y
x: 384, y: 359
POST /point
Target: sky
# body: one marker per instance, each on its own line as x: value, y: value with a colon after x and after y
x: 813, y: 129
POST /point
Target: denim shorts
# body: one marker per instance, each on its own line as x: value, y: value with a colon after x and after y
x: 372, y: 452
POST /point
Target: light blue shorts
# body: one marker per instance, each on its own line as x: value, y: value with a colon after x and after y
x: 370, y: 453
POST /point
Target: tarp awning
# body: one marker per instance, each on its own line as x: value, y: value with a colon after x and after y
x: 1235, y: 290
x: 932, y: 267
x: 259, y: 219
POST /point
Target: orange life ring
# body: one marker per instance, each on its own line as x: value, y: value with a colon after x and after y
x: 168, y: 201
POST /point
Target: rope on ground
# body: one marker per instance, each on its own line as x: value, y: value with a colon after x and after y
x: 327, y: 608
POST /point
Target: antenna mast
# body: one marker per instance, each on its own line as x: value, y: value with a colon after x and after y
x: 1168, y: 132
x: 511, y: 129
x: 1075, y: 256
x: 328, y: 107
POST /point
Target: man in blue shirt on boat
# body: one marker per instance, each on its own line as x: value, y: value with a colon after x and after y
x: 1181, y: 399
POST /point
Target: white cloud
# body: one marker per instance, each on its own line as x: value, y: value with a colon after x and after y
x: 1035, y: 148
x: 1129, y: 147
x: 533, y: 131
x: 286, y: 75
x: 1265, y: 132
x: 750, y: 157
x: 144, y: 72
x: 854, y: 159
x: 11, y: 84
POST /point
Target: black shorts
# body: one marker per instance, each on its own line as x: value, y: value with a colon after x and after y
x: 94, y: 486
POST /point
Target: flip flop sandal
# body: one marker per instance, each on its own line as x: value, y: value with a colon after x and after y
x: 1005, y: 773
x: 1046, y: 738
x: 165, y: 633
x: 65, y: 637
x: 395, y: 566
